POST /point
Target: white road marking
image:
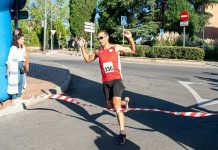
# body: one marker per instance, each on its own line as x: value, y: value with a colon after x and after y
x: 200, y: 101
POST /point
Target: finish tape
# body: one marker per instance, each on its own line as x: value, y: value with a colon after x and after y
x: 187, y: 114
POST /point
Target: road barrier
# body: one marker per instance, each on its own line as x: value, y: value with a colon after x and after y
x: 186, y: 114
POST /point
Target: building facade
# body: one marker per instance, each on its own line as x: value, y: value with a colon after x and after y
x: 211, y: 29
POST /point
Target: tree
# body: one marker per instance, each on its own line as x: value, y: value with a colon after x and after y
x: 33, y: 26
x: 148, y: 16
x: 141, y: 17
x: 198, y: 4
x: 198, y: 18
x: 81, y: 11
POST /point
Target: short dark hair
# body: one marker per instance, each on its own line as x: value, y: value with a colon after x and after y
x: 104, y: 31
x: 15, y: 39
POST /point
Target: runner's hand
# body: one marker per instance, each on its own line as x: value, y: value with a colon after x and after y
x: 82, y: 43
x: 127, y: 33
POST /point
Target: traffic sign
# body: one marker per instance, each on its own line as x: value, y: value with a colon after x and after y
x: 89, y: 24
x: 184, y: 16
x: 89, y: 27
x: 183, y: 23
x: 123, y: 20
x: 161, y: 32
x: 53, y: 32
x: 68, y: 38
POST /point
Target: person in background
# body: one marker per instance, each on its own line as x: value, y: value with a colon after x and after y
x: 26, y: 66
x: 16, y: 68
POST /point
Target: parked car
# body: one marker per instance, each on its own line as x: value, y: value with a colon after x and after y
x: 145, y: 40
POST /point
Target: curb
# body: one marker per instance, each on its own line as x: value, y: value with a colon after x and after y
x: 34, y: 100
x: 164, y: 61
x: 143, y: 59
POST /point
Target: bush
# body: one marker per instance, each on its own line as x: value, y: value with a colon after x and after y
x: 176, y: 52
x: 172, y: 52
x: 211, y: 53
x: 141, y: 51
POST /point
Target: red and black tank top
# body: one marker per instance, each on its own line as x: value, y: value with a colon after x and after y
x: 109, y: 62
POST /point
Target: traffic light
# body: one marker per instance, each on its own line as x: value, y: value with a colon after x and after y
x: 16, y: 12
x: 21, y: 15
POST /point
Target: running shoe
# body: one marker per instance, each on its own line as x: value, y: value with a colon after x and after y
x: 121, y: 139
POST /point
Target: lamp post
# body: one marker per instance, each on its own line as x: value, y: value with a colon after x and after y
x: 45, y: 26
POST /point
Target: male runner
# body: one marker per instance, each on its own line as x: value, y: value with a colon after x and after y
x: 109, y: 61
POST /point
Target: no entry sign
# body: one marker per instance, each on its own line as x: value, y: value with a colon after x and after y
x: 184, y: 15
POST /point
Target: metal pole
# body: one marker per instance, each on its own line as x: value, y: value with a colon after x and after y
x: 203, y: 36
x: 29, y: 26
x: 45, y: 27
x: 59, y: 41
x: 51, y: 28
x: 91, y: 40
x: 123, y: 35
x: 16, y: 15
x: 183, y: 36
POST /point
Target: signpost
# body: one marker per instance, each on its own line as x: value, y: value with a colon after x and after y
x: 123, y: 23
x: 90, y: 27
x: 161, y: 32
x: 52, y: 34
x: 184, y: 16
x: 67, y: 40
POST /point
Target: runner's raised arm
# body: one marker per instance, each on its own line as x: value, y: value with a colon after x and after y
x: 88, y: 58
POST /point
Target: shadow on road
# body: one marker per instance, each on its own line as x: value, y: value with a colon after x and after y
x: 213, y: 80
x: 196, y: 133
x: 47, y: 73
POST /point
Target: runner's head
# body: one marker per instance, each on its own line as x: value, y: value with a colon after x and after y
x: 103, y: 38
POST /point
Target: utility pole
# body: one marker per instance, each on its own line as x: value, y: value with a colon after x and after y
x: 16, y: 15
x: 45, y: 26
x: 51, y: 29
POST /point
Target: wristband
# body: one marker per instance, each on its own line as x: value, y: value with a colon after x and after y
x: 131, y: 39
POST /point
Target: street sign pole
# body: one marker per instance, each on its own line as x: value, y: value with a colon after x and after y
x: 184, y: 16
x: 123, y: 23
x: 90, y: 27
x: 52, y: 38
x: 91, y: 41
x: 123, y: 35
x: 183, y: 36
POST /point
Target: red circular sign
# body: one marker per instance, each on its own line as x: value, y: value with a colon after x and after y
x: 184, y: 15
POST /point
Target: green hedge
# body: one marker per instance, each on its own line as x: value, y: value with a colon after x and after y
x: 211, y: 53
x: 177, y: 52
x: 142, y: 50
x: 172, y: 52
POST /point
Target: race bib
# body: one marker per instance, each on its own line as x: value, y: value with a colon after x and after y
x: 108, y: 67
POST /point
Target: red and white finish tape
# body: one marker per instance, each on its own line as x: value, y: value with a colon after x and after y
x: 68, y: 99
x: 187, y: 114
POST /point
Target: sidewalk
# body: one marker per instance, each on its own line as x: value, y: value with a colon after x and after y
x: 43, y: 77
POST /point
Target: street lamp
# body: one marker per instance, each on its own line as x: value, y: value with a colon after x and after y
x: 45, y: 26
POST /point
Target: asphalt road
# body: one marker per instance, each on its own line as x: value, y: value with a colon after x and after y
x: 61, y: 125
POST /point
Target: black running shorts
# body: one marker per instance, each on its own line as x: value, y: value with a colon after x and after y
x: 113, y: 88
